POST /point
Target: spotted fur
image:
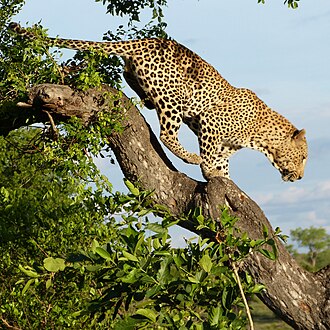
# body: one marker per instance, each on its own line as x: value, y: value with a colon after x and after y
x: 183, y: 88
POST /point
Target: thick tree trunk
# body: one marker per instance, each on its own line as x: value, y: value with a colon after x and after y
x: 300, y: 298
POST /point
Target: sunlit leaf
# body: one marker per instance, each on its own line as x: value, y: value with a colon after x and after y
x: 134, y: 190
x: 130, y: 256
x: 257, y: 288
x: 54, y: 264
x: 147, y: 313
x: 103, y: 253
x: 28, y: 272
x: 27, y: 285
x: 206, y: 263
x: 214, y: 315
x: 48, y: 283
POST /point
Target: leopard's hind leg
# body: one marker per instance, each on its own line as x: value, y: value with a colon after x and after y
x: 170, y: 122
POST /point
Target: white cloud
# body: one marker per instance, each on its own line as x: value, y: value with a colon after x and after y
x: 298, y: 206
x: 296, y: 195
x: 324, y: 188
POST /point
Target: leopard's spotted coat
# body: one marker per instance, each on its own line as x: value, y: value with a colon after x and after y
x: 185, y: 89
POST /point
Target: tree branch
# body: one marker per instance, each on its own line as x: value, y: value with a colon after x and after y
x: 300, y: 298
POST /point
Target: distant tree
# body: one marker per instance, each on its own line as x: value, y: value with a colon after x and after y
x: 316, y: 240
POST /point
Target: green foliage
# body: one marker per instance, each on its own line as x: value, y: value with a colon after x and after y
x: 141, y: 282
x: 149, y: 31
x: 238, y: 245
x: 20, y: 59
x: 133, y: 8
x: 45, y: 210
x: 291, y: 3
x: 91, y: 69
x: 9, y: 8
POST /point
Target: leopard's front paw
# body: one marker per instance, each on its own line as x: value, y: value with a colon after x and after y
x: 193, y: 159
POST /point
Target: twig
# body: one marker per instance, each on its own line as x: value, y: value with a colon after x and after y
x: 24, y: 105
x: 52, y: 123
x: 8, y: 325
x: 39, y: 247
x: 247, y: 308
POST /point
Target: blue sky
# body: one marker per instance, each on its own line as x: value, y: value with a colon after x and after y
x: 281, y: 54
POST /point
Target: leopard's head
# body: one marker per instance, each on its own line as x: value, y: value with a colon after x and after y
x: 290, y: 157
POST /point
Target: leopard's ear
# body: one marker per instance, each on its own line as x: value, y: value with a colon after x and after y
x: 298, y: 135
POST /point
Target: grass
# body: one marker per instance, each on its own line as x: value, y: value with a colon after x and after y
x: 264, y: 318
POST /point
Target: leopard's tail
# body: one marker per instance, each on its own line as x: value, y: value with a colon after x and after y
x: 121, y: 48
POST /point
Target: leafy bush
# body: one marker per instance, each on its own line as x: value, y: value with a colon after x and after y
x: 141, y: 282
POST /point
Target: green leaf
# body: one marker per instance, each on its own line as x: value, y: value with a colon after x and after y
x: 48, y: 283
x: 200, y: 219
x: 153, y: 291
x: 224, y: 298
x: 214, y: 315
x: 27, y: 285
x: 139, y: 243
x: 277, y: 231
x: 130, y: 256
x: 164, y: 275
x: 135, y: 191
x: 130, y: 277
x: 144, y: 212
x: 258, y: 242
x: 102, y: 253
x: 265, y: 231
x: 271, y: 242
x: 127, y: 324
x: 147, y: 279
x: 192, y: 279
x: 157, y: 228
x: 257, y: 288
x: 268, y: 254
x: 162, y: 253
x: 284, y: 238
x: 28, y: 272
x: 244, y: 237
x: 77, y: 314
x: 156, y: 243
x: 206, y: 263
x: 95, y: 244
x: 54, y: 264
x: 93, y: 268
x: 248, y: 278
x: 147, y: 313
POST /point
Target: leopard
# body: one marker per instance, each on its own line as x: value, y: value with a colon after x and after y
x: 185, y: 89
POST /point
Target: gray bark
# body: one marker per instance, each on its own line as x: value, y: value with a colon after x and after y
x: 300, y: 298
